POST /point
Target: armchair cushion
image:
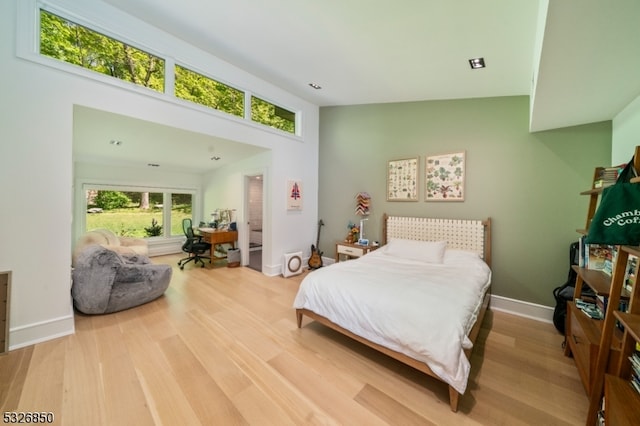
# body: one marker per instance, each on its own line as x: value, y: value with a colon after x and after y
x: 105, y: 281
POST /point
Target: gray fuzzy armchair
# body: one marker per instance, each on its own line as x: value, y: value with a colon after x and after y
x: 105, y: 281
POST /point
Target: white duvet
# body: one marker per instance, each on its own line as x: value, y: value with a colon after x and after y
x: 423, y: 310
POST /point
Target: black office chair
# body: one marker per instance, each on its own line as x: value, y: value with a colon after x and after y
x: 193, y: 245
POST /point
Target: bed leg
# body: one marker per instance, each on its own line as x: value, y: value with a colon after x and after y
x: 453, y: 399
x: 299, y: 318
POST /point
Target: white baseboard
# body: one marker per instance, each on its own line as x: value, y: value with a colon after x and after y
x: 521, y: 308
x: 165, y: 247
x: 30, y: 334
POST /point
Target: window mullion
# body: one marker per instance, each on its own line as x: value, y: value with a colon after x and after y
x: 169, y: 76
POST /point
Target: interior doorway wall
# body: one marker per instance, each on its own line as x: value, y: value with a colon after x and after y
x: 254, y: 198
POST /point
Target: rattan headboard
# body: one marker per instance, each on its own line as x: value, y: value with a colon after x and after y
x: 471, y: 235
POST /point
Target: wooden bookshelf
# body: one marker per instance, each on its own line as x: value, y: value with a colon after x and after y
x: 621, y: 400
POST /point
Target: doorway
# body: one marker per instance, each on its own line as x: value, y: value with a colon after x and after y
x: 254, y: 198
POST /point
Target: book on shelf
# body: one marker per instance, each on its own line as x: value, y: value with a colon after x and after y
x: 634, y: 359
x: 630, y: 274
x: 607, y: 176
x: 598, y: 256
x: 601, y: 302
x: 590, y: 309
x: 635, y: 383
x: 635, y: 362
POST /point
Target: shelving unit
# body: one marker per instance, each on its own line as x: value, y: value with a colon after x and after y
x: 583, y: 335
x: 622, y: 402
x: 599, y: 347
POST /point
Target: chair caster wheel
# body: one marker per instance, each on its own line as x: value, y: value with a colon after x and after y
x: 182, y: 267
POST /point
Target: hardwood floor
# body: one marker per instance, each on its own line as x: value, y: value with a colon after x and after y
x: 222, y: 347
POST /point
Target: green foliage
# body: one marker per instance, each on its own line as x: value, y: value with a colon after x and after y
x: 109, y: 200
x: 272, y: 115
x: 72, y: 43
x: 205, y: 91
x: 154, y: 230
x: 130, y: 222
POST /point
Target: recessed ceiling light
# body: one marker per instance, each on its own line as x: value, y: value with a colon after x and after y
x: 315, y: 86
x: 115, y: 142
x: 476, y: 63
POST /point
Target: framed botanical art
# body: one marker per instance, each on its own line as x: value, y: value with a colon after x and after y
x: 445, y: 177
x: 402, y: 180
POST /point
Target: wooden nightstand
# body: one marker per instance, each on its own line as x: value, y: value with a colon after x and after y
x: 350, y: 250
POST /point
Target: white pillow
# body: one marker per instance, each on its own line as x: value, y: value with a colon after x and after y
x: 424, y: 251
x: 460, y: 256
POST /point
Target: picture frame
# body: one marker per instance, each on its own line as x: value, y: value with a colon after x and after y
x: 294, y: 194
x: 402, y: 179
x: 445, y: 176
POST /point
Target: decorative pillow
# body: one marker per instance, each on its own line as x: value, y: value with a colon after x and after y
x: 424, y: 251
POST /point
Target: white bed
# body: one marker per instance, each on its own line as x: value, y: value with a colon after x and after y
x: 419, y: 302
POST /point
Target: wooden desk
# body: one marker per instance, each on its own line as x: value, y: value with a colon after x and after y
x: 216, y: 237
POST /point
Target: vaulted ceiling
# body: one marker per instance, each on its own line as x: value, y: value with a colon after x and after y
x: 578, y: 60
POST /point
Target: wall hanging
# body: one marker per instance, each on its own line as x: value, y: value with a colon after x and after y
x: 363, y: 203
x: 445, y: 177
x: 402, y: 180
x: 294, y: 195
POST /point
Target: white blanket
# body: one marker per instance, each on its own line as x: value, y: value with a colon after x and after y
x: 423, y: 310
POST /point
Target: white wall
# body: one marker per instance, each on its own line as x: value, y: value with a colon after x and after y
x: 36, y: 166
x: 626, y: 133
x: 283, y: 231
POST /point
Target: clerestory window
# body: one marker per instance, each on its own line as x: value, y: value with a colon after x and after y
x: 75, y: 44
x: 272, y: 115
x: 194, y: 87
x: 72, y: 43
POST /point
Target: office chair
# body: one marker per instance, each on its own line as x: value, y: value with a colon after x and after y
x: 193, y: 245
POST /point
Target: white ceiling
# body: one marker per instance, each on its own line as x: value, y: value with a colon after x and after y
x: 145, y: 144
x: 583, y: 66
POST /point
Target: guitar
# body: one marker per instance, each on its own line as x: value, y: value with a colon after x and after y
x: 315, y: 260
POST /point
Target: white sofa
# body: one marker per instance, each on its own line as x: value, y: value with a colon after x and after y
x: 109, y: 240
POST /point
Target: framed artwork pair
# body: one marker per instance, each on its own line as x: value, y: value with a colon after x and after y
x: 444, y: 178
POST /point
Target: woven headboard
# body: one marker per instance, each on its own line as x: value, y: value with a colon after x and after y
x: 470, y: 235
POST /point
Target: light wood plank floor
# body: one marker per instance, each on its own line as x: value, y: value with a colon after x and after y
x: 222, y: 347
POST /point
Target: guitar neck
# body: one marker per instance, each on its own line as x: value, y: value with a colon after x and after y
x: 320, y: 223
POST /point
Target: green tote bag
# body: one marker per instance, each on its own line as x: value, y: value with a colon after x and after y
x: 617, y: 219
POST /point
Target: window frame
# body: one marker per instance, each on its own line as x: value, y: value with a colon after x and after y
x: 28, y: 47
x: 204, y: 75
x: 81, y: 205
x: 111, y: 38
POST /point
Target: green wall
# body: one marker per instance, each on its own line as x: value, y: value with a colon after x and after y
x: 528, y: 183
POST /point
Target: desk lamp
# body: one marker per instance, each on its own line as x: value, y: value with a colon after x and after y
x: 362, y: 241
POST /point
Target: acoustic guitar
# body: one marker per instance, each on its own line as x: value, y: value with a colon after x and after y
x: 315, y: 260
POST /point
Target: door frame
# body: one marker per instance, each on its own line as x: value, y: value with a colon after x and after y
x: 244, y: 244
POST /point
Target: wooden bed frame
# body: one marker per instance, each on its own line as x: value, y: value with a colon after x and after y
x: 472, y: 235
